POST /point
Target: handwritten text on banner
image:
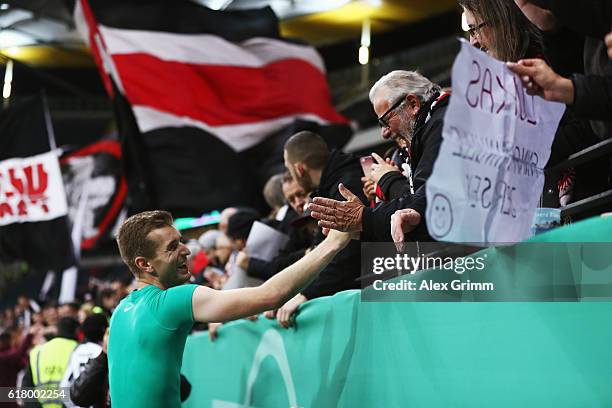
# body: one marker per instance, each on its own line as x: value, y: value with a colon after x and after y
x: 488, y: 177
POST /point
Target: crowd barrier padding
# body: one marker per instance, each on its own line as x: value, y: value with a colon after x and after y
x: 345, y: 352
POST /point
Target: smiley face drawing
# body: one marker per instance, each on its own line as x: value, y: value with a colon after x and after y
x: 440, y: 216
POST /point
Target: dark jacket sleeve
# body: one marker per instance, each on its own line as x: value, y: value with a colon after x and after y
x: 259, y: 269
x: 393, y: 185
x: 341, y: 273
x: 592, y: 96
x: 265, y: 270
x: 376, y: 222
x: 431, y: 141
x: 572, y: 135
x: 90, y: 387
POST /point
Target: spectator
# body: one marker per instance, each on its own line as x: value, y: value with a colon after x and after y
x: 208, y: 242
x: 293, y: 198
x: 238, y: 233
x: 590, y: 94
x: 93, y: 329
x: 224, y: 218
x: 213, y: 273
x: 223, y: 249
x: 300, y: 231
x: 90, y: 387
x: 87, y: 309
x: 50, y: 313
x: 238, y: 227
x: 320, y: 171
x: 294, y: 194
x: 107, y: 300
x: 121, y: 287
x: 579, y: 75
x: 24, y: 310
x: 498, y: 28
x: 273, y: 194
x: 48, y: 361
x: 12, y: 360
x: 69, y: 310
x: 409, y: 106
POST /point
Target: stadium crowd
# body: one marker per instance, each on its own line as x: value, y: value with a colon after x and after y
x: 560, y: 51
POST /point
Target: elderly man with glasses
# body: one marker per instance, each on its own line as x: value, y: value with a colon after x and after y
x: 411, y: 107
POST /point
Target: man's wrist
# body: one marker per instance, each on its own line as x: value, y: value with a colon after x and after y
x: 335, y: 242
x: 359, y: 225
x: 564, y: 91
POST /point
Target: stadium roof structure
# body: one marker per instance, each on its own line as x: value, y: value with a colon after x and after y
x: 42, y: 32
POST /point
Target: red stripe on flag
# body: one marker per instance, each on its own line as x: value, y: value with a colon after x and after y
x: 226, y: 95
x: 90, y: 20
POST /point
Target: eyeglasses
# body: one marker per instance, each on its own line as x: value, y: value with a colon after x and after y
x: 473, y: 31
x: 382, y: 121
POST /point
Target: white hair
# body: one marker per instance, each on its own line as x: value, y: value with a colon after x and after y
x: 397, y: 84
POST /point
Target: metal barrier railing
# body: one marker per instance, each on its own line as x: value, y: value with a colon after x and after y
x: 601, y: 201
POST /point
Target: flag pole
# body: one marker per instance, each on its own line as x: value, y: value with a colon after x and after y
x: 68, y: 284
x: 48, y: 124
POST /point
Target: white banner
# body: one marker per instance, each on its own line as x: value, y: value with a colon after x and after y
x: 31, y: 189
x: 488, y: 177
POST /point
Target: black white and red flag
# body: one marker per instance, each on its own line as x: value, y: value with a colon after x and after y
x: 95, y: 190
x: 205, y: 99
x: 33, y: 223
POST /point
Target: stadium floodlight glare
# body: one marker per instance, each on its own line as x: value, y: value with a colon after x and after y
x: 8, y: 79
x: 464, y: 24
x: 364, y: 50
x: 364, y: 55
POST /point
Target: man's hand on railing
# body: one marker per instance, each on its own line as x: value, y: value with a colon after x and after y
x: 403, y: 221
x: 212, y: 330
x: 286, y: 314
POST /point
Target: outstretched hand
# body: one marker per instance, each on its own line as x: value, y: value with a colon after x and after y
x: 343, y: 216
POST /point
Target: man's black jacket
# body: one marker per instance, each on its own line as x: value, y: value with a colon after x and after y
x: 344, y: 269
x: 423, y: 154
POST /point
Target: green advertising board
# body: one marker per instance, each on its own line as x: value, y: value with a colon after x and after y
x: 345, y: 352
